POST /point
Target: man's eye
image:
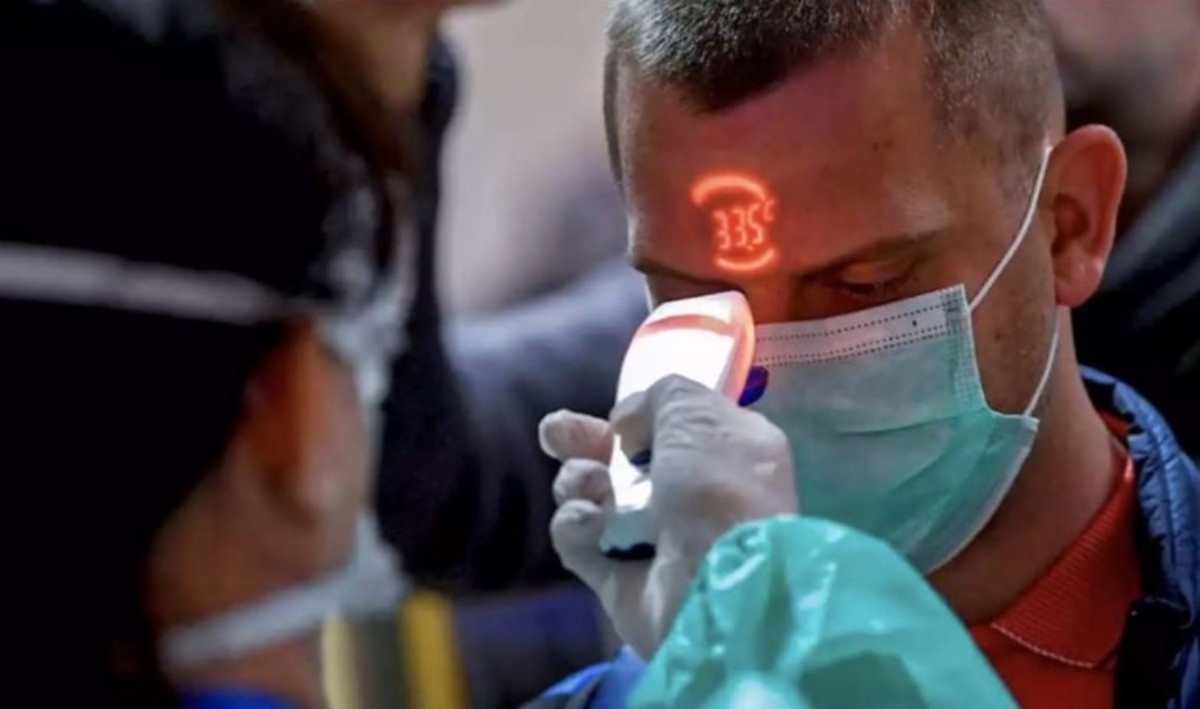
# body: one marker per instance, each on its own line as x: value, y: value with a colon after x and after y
x: 874, y: 292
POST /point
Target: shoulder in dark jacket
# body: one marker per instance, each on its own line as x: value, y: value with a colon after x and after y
x: 1158, y: 664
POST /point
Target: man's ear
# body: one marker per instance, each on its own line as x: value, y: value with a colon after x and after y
x: 1086, y: 183
x: 302, y: 426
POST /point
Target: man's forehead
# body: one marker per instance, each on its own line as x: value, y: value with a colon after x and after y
x: 841, y: 117
x: 831, y: 164
x: 891, y: 71
x: 800, y: 142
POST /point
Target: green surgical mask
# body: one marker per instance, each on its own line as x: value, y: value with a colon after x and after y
x: 890, y: 430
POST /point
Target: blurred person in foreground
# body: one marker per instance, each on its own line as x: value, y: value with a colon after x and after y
x: 464, y: 489
x: 932, y: 225
x: 202, y: 275
x: 1136, y: 67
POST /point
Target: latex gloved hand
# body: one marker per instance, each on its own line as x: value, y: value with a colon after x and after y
x: 714, y: 466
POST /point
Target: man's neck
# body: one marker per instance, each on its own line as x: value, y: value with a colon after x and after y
x: 1065, y: 482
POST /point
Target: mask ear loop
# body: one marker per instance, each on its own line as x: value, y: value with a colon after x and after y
x: 1026, y: 225
x: 1045, y: 380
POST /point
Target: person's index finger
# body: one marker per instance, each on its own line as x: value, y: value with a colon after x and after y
x: 565, y: 435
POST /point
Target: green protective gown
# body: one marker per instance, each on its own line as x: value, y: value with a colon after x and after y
x: 800, y: 612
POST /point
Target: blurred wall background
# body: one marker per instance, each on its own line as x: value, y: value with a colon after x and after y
x: 529, y: 201
x: 528, y: 204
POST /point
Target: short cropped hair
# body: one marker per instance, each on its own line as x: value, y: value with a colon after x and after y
x: 991, y: 66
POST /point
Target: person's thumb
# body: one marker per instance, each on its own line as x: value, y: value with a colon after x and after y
x: 643, y: 418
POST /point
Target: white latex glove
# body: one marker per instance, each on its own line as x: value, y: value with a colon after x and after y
x: 714, y: 466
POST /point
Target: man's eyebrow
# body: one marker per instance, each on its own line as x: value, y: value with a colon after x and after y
x: 648, y: 265
x: 878, y: 250
x: 881, y: 249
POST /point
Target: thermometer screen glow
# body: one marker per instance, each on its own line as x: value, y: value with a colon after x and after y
x: 742, y: 210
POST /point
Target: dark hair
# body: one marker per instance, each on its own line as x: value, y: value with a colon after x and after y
x: 991, y: 63
x: 230, y: 137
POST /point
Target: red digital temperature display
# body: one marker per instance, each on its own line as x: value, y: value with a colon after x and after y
x: 742, y: 210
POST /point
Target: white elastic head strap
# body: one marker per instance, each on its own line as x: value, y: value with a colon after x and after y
x: 69, y: 277
x: 1022, y: 233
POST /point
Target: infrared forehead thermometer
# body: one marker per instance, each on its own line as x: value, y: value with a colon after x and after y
x: 709, y: 340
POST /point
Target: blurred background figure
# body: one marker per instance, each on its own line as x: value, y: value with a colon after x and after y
x: 464, y: 489
x: 201, y: 262
x: 1136, y: 67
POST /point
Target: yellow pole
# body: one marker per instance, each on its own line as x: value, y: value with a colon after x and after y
x: 433, y: 669
x: 338, y: 661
